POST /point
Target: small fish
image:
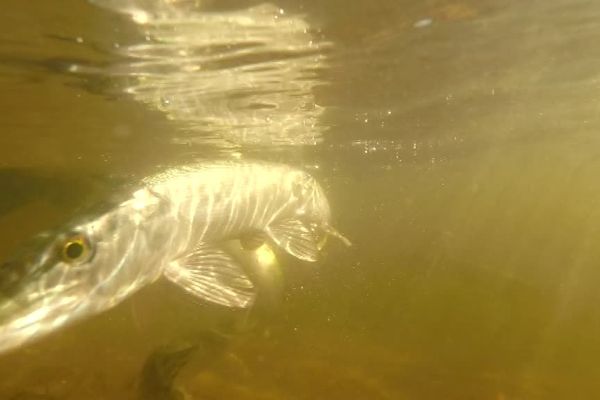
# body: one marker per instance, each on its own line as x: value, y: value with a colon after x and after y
x: 178, y: 225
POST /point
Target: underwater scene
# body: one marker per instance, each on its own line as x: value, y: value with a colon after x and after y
x: 224, y: 199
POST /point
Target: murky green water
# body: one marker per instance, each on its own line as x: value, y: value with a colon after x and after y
x: 458, y: 142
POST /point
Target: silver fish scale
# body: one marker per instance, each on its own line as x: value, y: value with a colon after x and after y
x: 223, y: 200
x: 160, y: 230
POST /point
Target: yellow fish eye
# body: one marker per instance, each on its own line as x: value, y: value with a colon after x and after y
x: 76, y: 249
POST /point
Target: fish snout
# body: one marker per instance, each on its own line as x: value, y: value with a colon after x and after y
x: 11, y: 273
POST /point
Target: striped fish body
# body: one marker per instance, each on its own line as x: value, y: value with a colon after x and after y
x: 184, y: 224
x: 224, y: 200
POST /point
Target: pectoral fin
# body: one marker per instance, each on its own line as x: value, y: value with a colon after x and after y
x: 295, y: 237
x: 212, y: 274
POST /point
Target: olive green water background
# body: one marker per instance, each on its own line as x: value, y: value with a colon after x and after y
x: 460, y: 152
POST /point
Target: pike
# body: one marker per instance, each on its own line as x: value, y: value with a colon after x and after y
x: 179, y: 225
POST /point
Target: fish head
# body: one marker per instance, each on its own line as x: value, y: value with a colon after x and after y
x: 42, y: 286
x: 312, y: 207
x: 310, y: 202
x: 63, y: 275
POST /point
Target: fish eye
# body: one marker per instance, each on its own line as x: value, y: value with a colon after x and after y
x: 76, y: 249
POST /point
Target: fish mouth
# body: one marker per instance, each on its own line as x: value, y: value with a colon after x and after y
x: 15, y: 330
x: 8, y: 309
x: 26, y: 319
x: 28, y: 311
x: 12, y: 274
x: 9, y: 280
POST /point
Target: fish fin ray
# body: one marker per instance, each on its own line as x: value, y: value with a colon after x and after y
x: 295, y: 237
x: 331, y: 231
x: 212, y: 274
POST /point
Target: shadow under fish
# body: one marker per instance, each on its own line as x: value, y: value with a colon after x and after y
x: 157, y: 379
x: 161, y: 368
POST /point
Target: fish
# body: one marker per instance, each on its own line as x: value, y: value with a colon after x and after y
x: 177, y: 225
